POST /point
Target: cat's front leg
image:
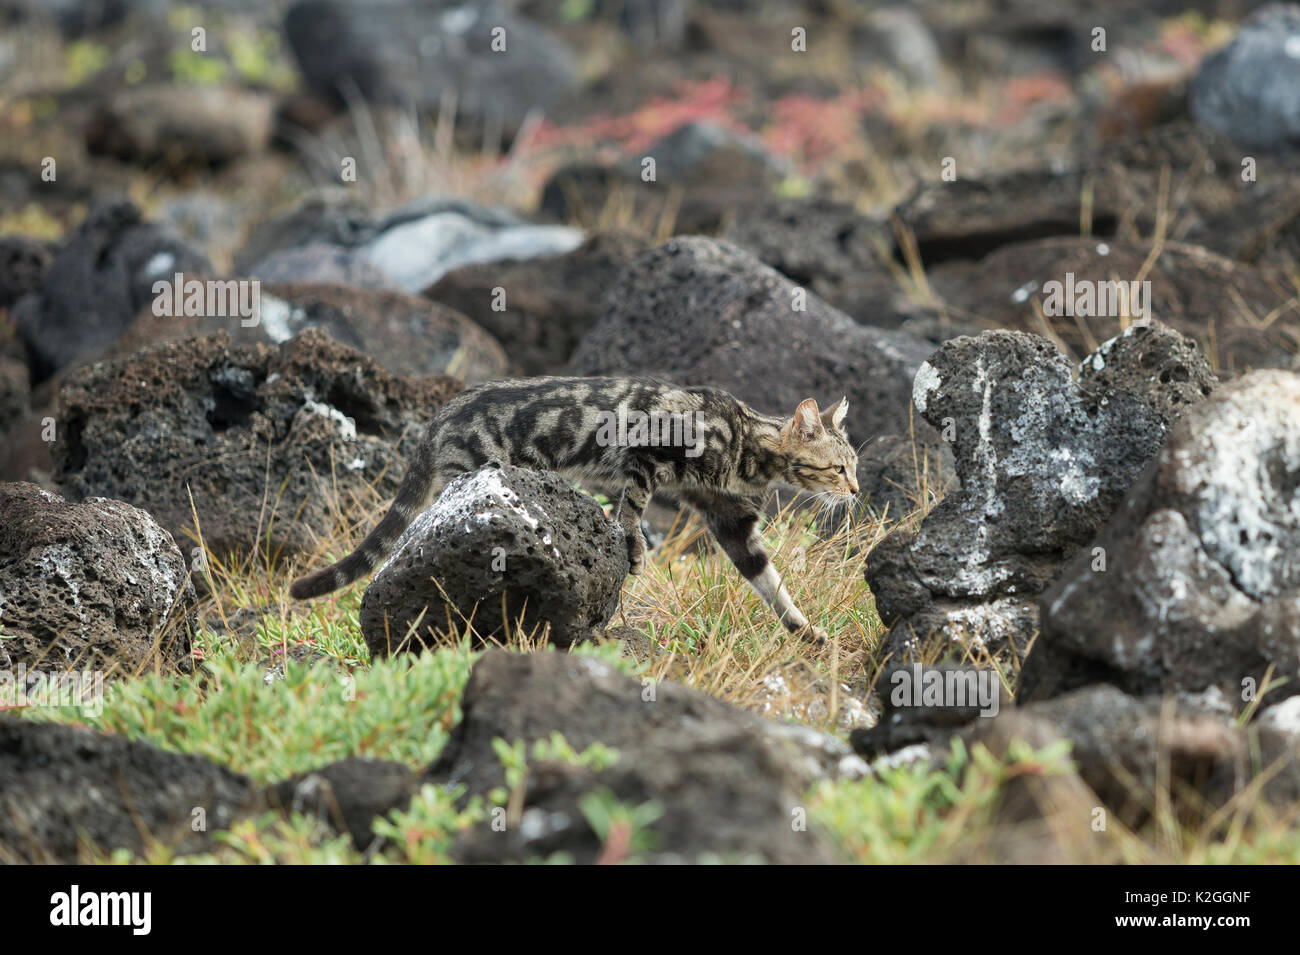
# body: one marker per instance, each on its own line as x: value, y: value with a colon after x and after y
x: 734, y: 522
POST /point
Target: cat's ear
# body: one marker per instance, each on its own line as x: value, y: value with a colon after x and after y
x: 806, y: 423
x: 834, y: 415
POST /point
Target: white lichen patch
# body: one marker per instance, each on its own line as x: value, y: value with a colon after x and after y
x: 347, y: 427
x: 1022, y: 294
x: 926, y: 381
x: 471, y: 500
x: 907, y: 756
x: 278, y: 318
x: 1283, y: 717
x: 1076, y: 484
x: 994, y: 622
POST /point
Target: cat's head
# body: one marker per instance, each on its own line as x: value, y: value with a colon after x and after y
x: 821, y: 458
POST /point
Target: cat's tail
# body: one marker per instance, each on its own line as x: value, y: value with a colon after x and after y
x: 411, y: 499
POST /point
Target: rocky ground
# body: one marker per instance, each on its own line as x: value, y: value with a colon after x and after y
x: 1049, y: 251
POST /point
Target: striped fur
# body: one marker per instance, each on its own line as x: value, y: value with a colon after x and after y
x: 719, y: 455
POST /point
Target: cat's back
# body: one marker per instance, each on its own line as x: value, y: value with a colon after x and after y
x: 508, y: 396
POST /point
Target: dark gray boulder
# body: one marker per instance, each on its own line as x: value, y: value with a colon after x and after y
x: 412, y: 247
x: 829, y: 248
x: 1162, y: 365
x: 65, y: 789
x: 701, y: 311
x: 268, y: 441
x: 415, y: 54
x: 320, y: 262
x: 1135, y: 753
x: 348, y: 794
x: 911, y: 716
x: 1042, y: 461
x: 969, y: 218
x: 1250, y: 89
x: 183, y: 126
x: 92, y: 586
x: 549, y: 302
x: 406, y: 334
x: 23, y: 264
x: 1195, y: 582
x: 728, y: 783
x: 1194, y: 291
x: 898, y: 475
x: 704, y: 173
x: 101, y: 277
x: 15, y: 392
x: 328, y: 218
x: 509, y: 549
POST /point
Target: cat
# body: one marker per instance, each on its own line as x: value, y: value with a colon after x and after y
x: 637, y: 435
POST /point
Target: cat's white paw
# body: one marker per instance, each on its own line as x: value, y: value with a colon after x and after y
x: 812, y: 634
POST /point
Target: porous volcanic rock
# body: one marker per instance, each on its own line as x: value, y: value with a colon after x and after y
x: 406, y: 334
x: 91, y: 586
x: 547, y: 304
x: 509, y: 549
x: 1042, y: 461
x: 267, y: 441
x: 727, y: 782
x: 99, y: 279
x: 1195, y: 582
x: 64, y: 789
x: 701, y: 311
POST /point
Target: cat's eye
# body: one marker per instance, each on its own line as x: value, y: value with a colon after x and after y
x: 842, y: 470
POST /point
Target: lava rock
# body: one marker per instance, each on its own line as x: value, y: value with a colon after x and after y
x: 15, y: 392
x: 1128, y: 750
x: 23, y: 264
x: 898, y: 476
x: 100, y: 278
x: 90, y: 586
x: 909, y: 718
x: 349, y: 794
x: 422, y: 242
x: 329, y: 218
x: 406, y: 334
x: 506, y: 548
x: 1156, y: 362
x: 700, y: 311
x: 1042, y: 464
x: 64, y: 789
x: 413, y: 247
x: 1199, y: 582
x: 1192, y: 290
x: 704, y: 173
x: 318, y: 262
x: 410, y: 53
x: 1250, y: 89
x: 970, y: 218
x: 829, y: 248
x: 726, y: 780
x: 182, y: 126
x: 550, y: 302
x: 267, y: 440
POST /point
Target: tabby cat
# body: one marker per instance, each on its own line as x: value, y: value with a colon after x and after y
x: 635, y: 434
